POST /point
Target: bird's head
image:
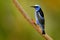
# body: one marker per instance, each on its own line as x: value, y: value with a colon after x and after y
x: 37, y: 7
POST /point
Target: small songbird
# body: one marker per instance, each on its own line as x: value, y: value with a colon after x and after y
x: 39, y: 16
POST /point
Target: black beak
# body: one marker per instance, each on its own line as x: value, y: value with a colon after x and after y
x: 32, y: 6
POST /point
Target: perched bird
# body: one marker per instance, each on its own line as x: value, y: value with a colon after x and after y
x: 39, y: 16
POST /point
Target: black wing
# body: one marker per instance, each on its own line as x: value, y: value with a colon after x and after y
x: 41, y: 12
x: 41, y: 21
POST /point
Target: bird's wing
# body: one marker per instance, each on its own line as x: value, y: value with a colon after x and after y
x: 41, y: 12
x: 40, y: 18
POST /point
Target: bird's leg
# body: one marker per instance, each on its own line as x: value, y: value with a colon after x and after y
x: 34, y: 22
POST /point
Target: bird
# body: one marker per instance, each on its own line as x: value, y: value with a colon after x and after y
x: 39, y: 16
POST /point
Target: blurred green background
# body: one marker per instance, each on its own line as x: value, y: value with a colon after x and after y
x: 13, y: 26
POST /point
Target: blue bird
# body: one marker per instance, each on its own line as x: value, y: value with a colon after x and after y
x: 39, y: 16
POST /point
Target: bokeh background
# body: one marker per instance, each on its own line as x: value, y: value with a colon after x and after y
x: 13, y: 26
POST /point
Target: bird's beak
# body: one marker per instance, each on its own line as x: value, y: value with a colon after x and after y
x: 32, y: 6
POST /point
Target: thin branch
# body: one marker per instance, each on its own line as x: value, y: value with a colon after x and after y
x: 35, y: 26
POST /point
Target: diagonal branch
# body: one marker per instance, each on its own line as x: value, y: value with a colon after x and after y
x: 35, y: 26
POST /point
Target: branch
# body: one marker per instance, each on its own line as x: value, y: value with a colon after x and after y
x: 35, y: 26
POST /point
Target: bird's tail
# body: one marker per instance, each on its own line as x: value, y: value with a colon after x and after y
x: 43, y: 32
x: 43, y: 29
